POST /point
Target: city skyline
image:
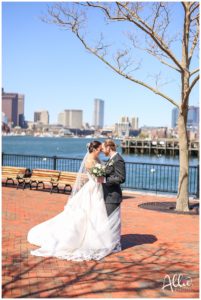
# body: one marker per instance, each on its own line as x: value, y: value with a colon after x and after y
x: 13, y: 105
x: 52, y: 70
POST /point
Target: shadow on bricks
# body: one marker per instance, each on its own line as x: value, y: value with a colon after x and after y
x: 131, y: 240
x: 114, y: 275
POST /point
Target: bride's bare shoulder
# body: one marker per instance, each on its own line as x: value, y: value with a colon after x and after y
x: 89, y: 163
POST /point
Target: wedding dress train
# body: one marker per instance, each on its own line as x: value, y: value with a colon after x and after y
x: 82, y: 231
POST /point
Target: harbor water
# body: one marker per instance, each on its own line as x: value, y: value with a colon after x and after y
x: 74, y: 148
x: 158, y: 173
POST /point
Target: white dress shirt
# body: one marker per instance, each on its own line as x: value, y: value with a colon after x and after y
x: 115, y: 153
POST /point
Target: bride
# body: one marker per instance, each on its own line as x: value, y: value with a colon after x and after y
x: 83, y: 230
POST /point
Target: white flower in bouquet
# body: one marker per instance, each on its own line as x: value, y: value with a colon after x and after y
x: 98, y: 170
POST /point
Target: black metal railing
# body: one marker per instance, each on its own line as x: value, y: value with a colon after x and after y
x: 139, y: 176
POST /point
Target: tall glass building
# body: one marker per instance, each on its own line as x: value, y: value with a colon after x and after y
x: 98, y: 116
x: 175, y: 114
x: 193, y: 116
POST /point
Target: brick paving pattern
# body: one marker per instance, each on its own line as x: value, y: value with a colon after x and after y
x: 155, y: 245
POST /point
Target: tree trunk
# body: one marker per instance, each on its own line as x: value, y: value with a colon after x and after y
x: 183, y: 196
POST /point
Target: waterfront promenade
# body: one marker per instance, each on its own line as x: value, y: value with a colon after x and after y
x: 155, y: 244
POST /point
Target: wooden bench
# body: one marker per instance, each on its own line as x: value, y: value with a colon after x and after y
x: 66, y: 179
x: 41, y: 176
x: 12, y: 174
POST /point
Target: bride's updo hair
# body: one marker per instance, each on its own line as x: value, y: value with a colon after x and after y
x: 93, y: 145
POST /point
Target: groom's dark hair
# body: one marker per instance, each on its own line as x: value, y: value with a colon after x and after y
x: 111, y: 144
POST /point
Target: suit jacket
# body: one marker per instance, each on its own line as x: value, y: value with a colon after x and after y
x: 115, y: 175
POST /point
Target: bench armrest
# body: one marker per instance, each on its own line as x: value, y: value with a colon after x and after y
x: 20, y: 176
x: 54, y: 179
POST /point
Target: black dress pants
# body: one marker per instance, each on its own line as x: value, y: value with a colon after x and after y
x: 110, y: 207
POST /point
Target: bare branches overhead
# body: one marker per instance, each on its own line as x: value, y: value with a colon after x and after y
x: 152, y: 20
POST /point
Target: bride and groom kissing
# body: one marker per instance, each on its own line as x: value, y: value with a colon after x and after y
x: 89, y: 227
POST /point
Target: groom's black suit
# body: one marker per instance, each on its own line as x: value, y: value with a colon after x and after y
x: 115, y: 175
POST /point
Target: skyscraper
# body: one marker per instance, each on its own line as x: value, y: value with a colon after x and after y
x: 175, y: 114
x: 124, y: 119
x: 98, y: 116
x: 134, y: 123
x: 71, y: 118
x: 42, y: 117
x: 122, y: 129
x: 61, y: 118
x: 13, y: 108
x: 193, y: 116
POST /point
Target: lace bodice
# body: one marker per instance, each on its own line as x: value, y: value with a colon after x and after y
x: 90, y: 163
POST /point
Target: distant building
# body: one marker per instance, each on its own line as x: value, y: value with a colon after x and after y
x: 134, y: 132
x: 41, y: 117
x: 154, y: 132
x: 4, y: 118
x: 193, y: 116
x: 135, y: 123
x: 13, y: 108
x: 82, y: 132
x: 71, y: 118
x: 127, y: 127
x: 122, y: 129
x: 30, y: 125
x: 61, y: 118
x: 124, y: 119
x: 98, y: 116
x: 175, y: 114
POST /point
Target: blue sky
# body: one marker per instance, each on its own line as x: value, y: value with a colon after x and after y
x: 55, y: 72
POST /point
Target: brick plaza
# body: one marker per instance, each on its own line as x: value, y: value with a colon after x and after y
x: 155, y: 244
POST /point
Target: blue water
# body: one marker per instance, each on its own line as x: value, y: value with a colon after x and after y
x: 73, y: 148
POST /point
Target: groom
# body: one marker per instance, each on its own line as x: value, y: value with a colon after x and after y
x: 115, y: 175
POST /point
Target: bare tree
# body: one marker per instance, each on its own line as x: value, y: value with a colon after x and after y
x: 152, y: 21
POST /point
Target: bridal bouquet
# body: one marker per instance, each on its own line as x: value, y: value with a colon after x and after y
x: 98, y: 170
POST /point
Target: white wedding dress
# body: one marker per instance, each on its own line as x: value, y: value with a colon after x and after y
x: 82, y: 231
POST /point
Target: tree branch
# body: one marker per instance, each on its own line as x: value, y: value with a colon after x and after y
x: 153, y: 52
x: 194, y: 8
x: 194, y: 71
x: 134, y: 18
x: 162, y: 61
x: 195, y: 42
x: 106, y: 11
x: 156, y: 91
x: 193, y: 83
x: 191, y: 87
x: 158, y: 47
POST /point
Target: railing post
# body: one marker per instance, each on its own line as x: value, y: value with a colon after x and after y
x: 156, y: 173
x: 54, y: 162
x: 2, y: 158
x: 198, y: 182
